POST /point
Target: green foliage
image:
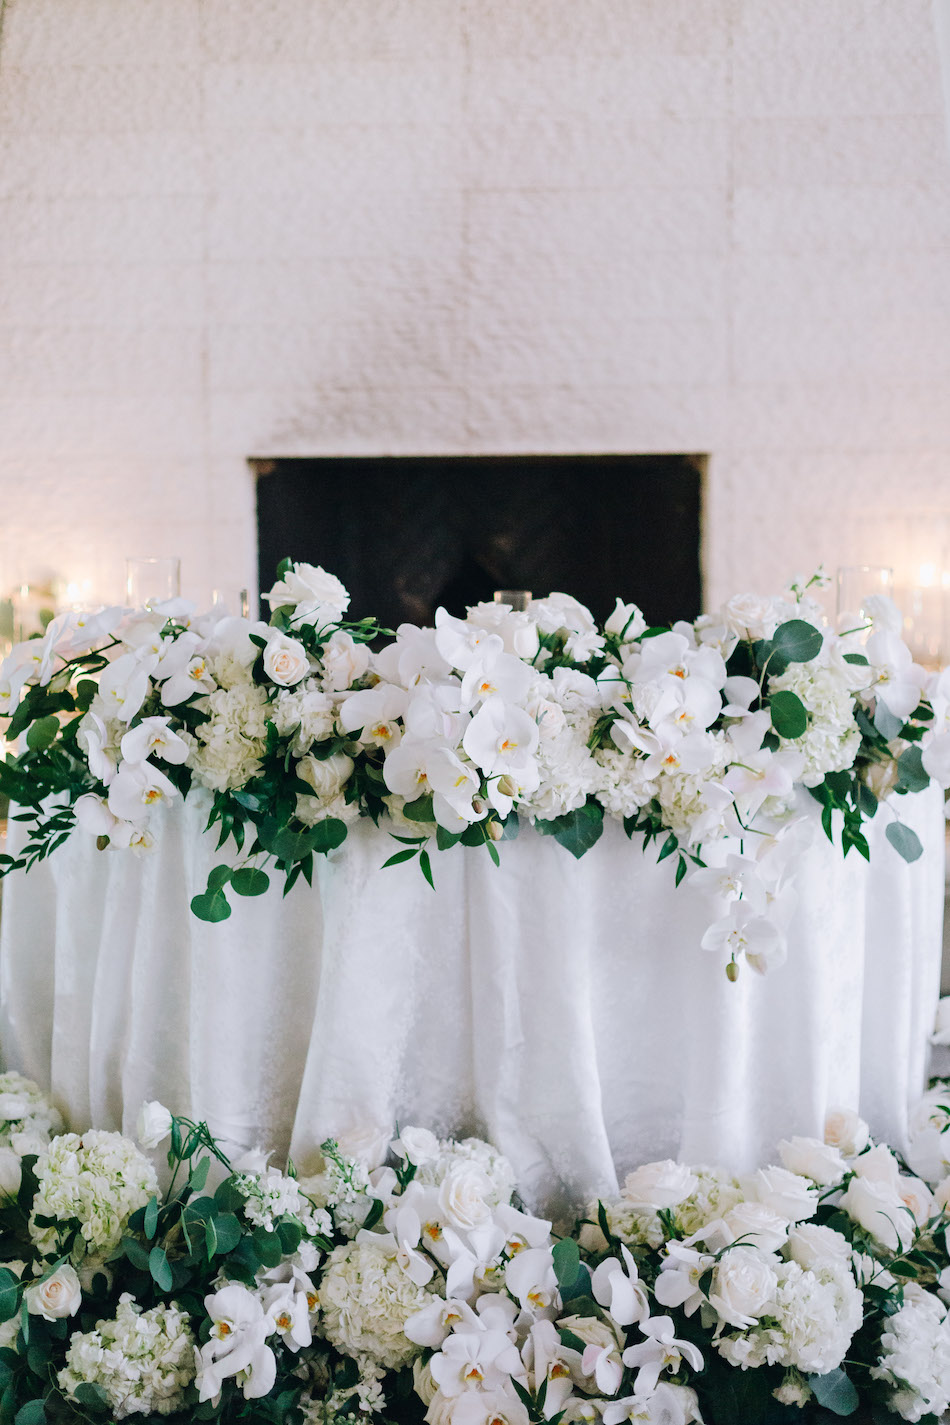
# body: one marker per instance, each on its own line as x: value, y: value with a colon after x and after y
x: 904, y: 841
x: 788, y: 714
x: 836, y: 1392
x: 577, y: 831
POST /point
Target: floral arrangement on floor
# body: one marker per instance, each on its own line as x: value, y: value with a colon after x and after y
x: 696, y: 737
x: 405, y: 1282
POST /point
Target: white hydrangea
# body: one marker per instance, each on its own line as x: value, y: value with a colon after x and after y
x: 472, y: 1150
x: 809, y: 1323
x: 226, y: 750
x: 270, y: 1195
x: 716, y: 1192
x: 625, y: 786
x: 98, y: 1178
x: 568, y: 771
x: 27, y: 1118
x: 366, y: 1299
x: 143, y: 1360
x: 636, y: 1226
x: 915, y: 1356
x: 832, y: 738
x: 307, y: 712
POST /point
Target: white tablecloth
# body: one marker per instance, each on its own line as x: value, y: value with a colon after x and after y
x: 562, y: 1008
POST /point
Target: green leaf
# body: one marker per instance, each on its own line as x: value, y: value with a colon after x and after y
x: 291, y: 1235
x: 904, y: 841
x: 151, y: 1217
x: 32, y: 1413
x: 211, y: 907
x: 567, y: 1260
x: 835, y: 1392
x: 218, y: 878
x: 250, y: 882
x: 668, y: 847
x: 93, y: 1397
x: 445, y: 839
x: 43, y: 733
x: 425, y: 866
x: 9, y: 1295
x: 911, y: 776
x: 228, y: 1197
x: 681, y: 869
x: 856, y: 658
x: 885, y: 721
x: 399, y: 856
x: 327, y: 835
x: 789, y: 717
x: 199, y: 1176
x: 577, y: 831
x: 159, y: 1268
x: 419, y: 810
x: 797, y: 641
x: 136, y: 1253
x: 268, y: 1246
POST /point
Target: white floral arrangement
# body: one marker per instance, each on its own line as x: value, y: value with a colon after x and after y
x: 697, y: 737
x: 814, y: 1288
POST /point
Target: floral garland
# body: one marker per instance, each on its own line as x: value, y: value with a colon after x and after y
x: 694, y: 736
x: 404, y: 1281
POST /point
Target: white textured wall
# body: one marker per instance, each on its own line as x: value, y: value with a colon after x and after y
x: 258, y: 227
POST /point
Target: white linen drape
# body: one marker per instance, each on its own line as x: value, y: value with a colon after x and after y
x: 942, y: 21
x: 564, y: 1009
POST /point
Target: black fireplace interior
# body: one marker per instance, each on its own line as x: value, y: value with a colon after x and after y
x: 407, y: 534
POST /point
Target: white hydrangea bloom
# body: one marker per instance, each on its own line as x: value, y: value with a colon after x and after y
x: 915, y: 1356
x: 366, y: 1299
x: 226, y: 750
x: 307, y: 712
x: 99, y: 1178
x: 832, y: 738
x: 27, y: 1118
x: 716, y: 1193
x: 809, y: 1323
x: 143, y: 1360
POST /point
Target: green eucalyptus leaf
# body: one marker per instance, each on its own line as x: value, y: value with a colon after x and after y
x: 43, y: 733
x: 160, y: 1270
x: 904, y: 841
x: 797, y: 641
x: 250, y: 882
x: 788, y: 714
x: 835, y: 1391
x: 211, y: 907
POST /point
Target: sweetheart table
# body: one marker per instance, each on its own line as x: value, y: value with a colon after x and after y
x: 564, y: 1009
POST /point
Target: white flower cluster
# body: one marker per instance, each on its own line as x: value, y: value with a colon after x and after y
x: 144, y: 1361
x: 916, y: 1356
x: 270, y: 1196
x: 343, y: 1187
x: 97, y: 1180
x: 248, y: 1323
x: 537, y: 712
x: 366, y: 1298
x: 27, y: 1118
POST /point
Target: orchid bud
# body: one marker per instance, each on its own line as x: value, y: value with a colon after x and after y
x: 507, y: 786
x: 478, y: 806
x: 732, y: 971
x: 495, y: 830
x: 101, y: 843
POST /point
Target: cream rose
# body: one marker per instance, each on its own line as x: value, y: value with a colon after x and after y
x: 785, y: 1193
x: 662, y: 1184
x: 344, y: 660
x: 464, y: 1196
x: 326, y: 777
x: 743, y: 1285
x: 285, y: 660
x: 811, y: 1158
x: 749, y: 615
x: 756, y: 1225
x: 818, y: 1248
x: 876, y: 1207
x: 878, y: 1165
x: 625, y: 622
x: 846, y: 1131
x: 58, y: 1296
x: 917, y: 1196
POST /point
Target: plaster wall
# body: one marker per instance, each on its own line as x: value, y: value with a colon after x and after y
x: 234, y: 228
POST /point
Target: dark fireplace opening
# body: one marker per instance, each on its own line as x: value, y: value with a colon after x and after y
x: 406, y: 534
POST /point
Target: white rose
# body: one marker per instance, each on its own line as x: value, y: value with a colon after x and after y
x: 423, y: 1384
x: 749, y: 615
x: 59, y: 1296
x: 416, y: 1145
x: 756, y: 1225
x: 917, y: 1196
x: 787, y: 1194
x: 878, y: 1165
x: 876, y: 1207
x: 942, y: 1197
x: 153, y: 1124
x: 811, y: 1158
x: 625, y: 622
x: 743, y: 1285
x: 846, y: 1131
x: 367, y: 1145
x: 818, y: 1248
x: 328, y: 776
x: 550, y: 719
x: 314, y: 594
x: 28, y: 1145
x: 10, y: 1171
x: 285, y: 660
x: 661, y: 1184
x: 464, y: 1195
x: 344, y: 660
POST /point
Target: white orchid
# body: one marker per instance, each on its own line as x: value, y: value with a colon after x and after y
x: 501, y: 738
x: 123, y: 686
x: 153, y: 737
x: 137, y: 788
x: 679, y: 1277
x: 661, y: 1351
x: 531, y: 1279
x: 898, y: 680
x: 616, y: 1285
